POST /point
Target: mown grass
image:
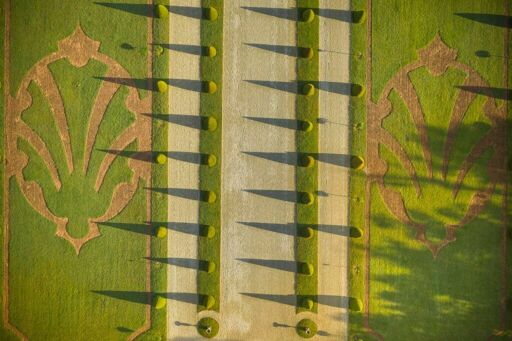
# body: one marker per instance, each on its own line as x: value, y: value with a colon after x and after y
x: 457, y: 294
x: 211, y: 143
x: 51, y: 288
x: 306, y: 250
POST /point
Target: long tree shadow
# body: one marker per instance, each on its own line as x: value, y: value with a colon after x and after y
x: 191, y: 121
x: 500, y: 93
x: 293, y: 13
x: 190, y: 157
x: 291, y: 228
x: 283, y: 265
x: 187, y: 11
x: 144, y: 297
x: 489, y: 19
x: 290, y: 87
x: 283, y: 195
x: 187, y: 263
x: 278, y: 122
x: 145, y: 229
x: 187, y: 84
x: 187, y: 228
x: 138, y: 83
x: 292, y: 51
x: 185, y: 193
x: 294, y: 86
x: 146, y: 156
x: 327, y: 300
x: 195, y: 50
x: 292, y: 158
x: 137, y: 9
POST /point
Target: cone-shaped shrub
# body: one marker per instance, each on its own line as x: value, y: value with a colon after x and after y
x: 356, y: 90
x: 305, y: 268
x: 161, y: 158
x: 208, y: 266
x: 356, y: 162
x: 308, y: 89
x: 209, y: 159
x: 306, y: 328
x: 209, y: 51
x: 355, y: 304
x: 306, y: 161
x: 159, y: 302
x: 307, y: 232
x: 308, y: 15
x: 210, y: 87
x: 306, y: 198
x: 305, y: 126
x: 209, y: 196
x: 307, y: 303
x: 207, y: 231
x: 161, y: 86
x: 208, y: 123
x: 358, y: 17
x: 355, y: 232
x: 159, y: 50
x: 211, y: 13
x: 208, y: 327
x: 307, y: 52
x: 208, y: 302
x: 161, y: 232
x: 161, y: 11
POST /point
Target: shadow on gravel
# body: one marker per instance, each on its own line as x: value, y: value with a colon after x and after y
x: 191, y: 121
x: 278, y: 122
x: 328, y: 300
x: 292, y: 158
x: 291, y: 228
x: 284, y: 265
x: 292, y: 51
x: 294, y: 87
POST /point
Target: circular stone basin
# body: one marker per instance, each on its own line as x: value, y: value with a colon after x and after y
x: 208, y: 327
x: 306, y: 328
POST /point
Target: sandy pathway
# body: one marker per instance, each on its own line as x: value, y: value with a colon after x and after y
x: 182, y: 246
x: 244, y: 317
x: 333, y: 179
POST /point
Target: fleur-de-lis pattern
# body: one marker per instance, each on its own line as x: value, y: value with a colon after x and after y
x: 78, y: 49
x: 437, y: 58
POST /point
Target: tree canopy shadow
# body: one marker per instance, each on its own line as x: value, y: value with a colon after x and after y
x: 340, y: 88
x: 187, y: 11
x: 187, y: 263
x: 145, y: 229
x: 278, y: 122
x: 292, y: 158
x: 191, y: 121
x: 195, y: 50
x: 283, y: 265
x: 489, y: 19
x: 287, y: 50
x: 137, y: 9
x: 291, y: 228
x: 500, y: 93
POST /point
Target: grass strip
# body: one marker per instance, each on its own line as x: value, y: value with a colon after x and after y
x: 306, y: 248
x: 208, y: 283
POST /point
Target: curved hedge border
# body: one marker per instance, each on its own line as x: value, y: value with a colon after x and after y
x: 210, y: 145
x: 306, y: 242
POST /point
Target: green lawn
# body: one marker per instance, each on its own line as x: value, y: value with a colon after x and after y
x: 413, y: 294
x: 53, y: 292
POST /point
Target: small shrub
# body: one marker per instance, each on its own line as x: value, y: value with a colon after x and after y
x: 307, y: 303
x: 306, y: 198
x: 211, y: 13
x: 161, y: 232
x: 159, y: 50
x: 207, y: 266
x: 356, y: 90
x: 208, y: 327
x: 161, y: 86
x: 308, y: 15
x: 358, y: 17
x: 210, y: 87
x: 159, y: 302
x: 207, y: 231
x: 308, y: 89
x: 208, y: 123
x: 355, y: 304
x: 305, y: 126
x: 306, y: 269
x: 307, y: 52
x: 355, y: 232
x: 306, y: 328
x: 356, y: 162
x: 209, y: 159
x: 209, y: 196
x: 162, y: 12
x: 161, y: 158
x: 209, y: 51
x: 208, y: 301
x: 306, y: 161
x: 307, y: 232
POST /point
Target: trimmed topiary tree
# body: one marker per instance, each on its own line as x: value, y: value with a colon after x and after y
x: 357, y: 90
x: 355, y: 304
x: 355, y: 232
x: 306, y: 269
x: 208, y: 123
x: 307, y: 303
x: 305, y: 126
x: 207, y: 266
x: 306, y: 328
x: 307, y: 232
x: 209, y: 159
x: 306, y: 198
x: 159, y: 50
x: 306, y: 161
x: 356, y: 162
x: 308, y: 15
x: 161, y: 232
x: 308, y: 89
x: 210, y: 87
x: 161, y: 11
x: 307, y: 52
x: 209, y: 51
x: 207, y: 231
x: 161, y: 158
x: 358, y: 16
x: 208, y: 301
x: 208, y: 327
x: 210, y: 13
x: 161, y: 86
x: 209, y: 196
x: 159, y: 302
